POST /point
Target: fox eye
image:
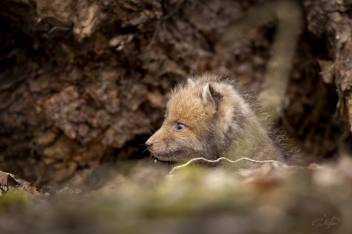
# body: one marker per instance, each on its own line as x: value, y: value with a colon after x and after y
x: 180, y: 126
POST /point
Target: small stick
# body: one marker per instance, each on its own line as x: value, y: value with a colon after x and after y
x: 220, y: 159
x: 333, y: 65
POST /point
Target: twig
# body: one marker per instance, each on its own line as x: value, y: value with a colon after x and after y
x: 333, y: 65
x: 220, y: 159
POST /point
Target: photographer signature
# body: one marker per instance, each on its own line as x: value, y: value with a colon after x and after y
x: 325, y: 221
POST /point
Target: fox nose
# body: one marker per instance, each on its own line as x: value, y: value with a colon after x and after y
x: 148, y: 143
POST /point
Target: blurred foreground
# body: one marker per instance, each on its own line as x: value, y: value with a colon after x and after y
x: 273, y: 198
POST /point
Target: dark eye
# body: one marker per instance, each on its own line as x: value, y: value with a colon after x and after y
x: 180, y: 126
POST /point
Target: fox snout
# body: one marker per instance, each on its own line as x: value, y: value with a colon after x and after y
x: 156, y: 143
x: 148, y: 143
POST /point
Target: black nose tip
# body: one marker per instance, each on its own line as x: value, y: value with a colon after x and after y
x: 148, y: 143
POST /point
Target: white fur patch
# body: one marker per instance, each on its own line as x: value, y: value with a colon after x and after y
x: 190, y: 82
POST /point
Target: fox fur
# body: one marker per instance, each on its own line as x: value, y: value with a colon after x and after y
x: 208, y: 117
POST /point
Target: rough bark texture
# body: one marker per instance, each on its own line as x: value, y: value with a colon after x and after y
x: 326, y: 95
x: 336, y: 25
x: 80, y: 79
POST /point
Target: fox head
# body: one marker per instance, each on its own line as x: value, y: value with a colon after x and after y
x: 198, y: 120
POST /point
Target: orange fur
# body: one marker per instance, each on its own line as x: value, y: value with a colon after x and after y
x: 213, y: 113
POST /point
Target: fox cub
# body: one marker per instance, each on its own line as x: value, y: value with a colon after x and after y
x: 208, y: 117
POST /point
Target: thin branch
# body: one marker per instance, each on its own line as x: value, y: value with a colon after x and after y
x: 333, y: 65
x: 221, y: 159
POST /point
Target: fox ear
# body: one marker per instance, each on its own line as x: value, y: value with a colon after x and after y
x: 210, y: 96
x: 190, y: 82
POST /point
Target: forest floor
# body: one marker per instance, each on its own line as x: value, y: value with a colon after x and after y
x: 146, y: 198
